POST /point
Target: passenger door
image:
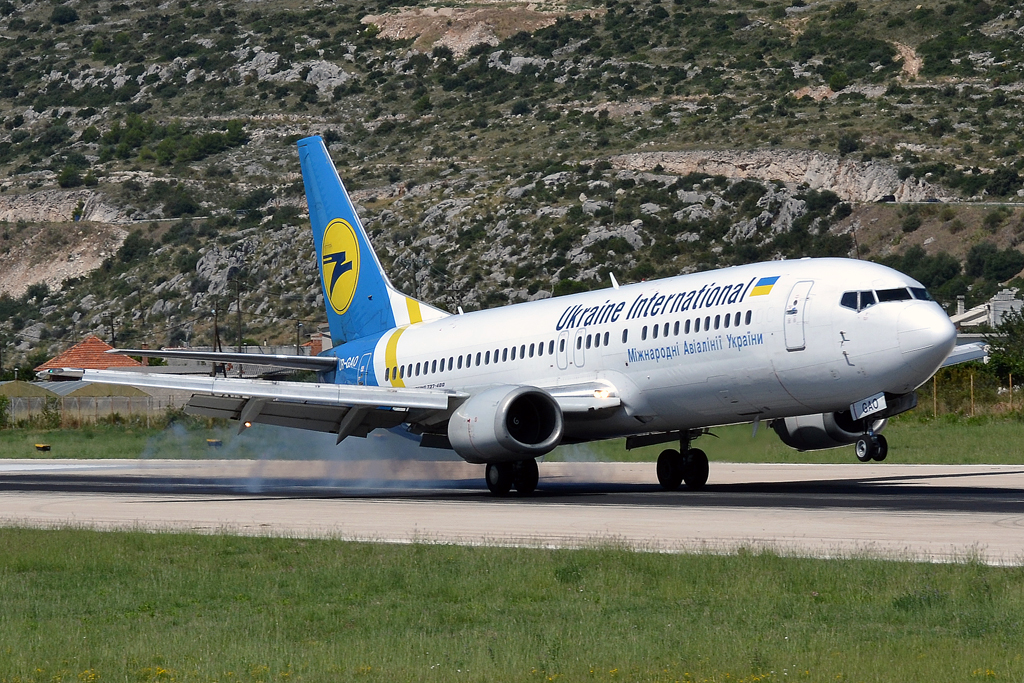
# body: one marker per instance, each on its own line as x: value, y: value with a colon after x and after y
x: 796, y: 306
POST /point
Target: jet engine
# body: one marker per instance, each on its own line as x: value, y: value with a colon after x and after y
x: 505, y: 424
x: 824, y: 430
x: 831, y: 430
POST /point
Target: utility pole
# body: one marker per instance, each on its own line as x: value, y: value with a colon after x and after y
x: 113, y: 337
x: 298, y: 337
x: 238, y: 309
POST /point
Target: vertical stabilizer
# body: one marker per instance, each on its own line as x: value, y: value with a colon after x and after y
x: 360, y: 300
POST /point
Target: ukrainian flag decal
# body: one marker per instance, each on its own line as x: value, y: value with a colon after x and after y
x: 764, y: 286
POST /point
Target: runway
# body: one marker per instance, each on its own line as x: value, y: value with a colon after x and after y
x: 926, y: 512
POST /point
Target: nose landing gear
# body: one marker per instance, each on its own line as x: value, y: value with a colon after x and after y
x: 872, y: 447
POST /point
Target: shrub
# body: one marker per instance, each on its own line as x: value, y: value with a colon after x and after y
x: 62, y: 14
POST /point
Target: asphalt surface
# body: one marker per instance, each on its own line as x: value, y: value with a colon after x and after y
x: 925, y: 512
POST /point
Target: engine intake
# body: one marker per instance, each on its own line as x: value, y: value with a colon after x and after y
x: 824, y: 430
x: 506, y: 423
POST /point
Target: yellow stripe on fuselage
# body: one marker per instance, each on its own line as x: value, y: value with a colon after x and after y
x: 391, y: 356
x: 415, y: 316
x: 762, y: 290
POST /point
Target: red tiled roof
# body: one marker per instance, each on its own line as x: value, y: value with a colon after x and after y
x: 89, y: 354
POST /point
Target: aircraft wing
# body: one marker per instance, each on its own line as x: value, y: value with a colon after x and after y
x: 338, y: 408
x: 318, y: 363
x: 966, y: 352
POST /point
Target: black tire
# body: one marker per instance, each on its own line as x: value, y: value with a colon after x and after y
x: 670, y: 469
x: 882, y: 450
x: 499, y: 478
x: 865, y: 449
x: 525, y: 476
x: 695, y: 469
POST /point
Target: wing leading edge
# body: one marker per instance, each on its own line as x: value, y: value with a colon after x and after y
x: 318, y: 363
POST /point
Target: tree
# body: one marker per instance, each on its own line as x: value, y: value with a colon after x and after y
x: 1006, y: 353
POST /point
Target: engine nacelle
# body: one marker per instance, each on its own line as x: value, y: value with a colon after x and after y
x: 824, y: 430
x: 506, y: 423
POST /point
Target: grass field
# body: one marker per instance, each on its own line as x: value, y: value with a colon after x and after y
x: 913, y: 438
x: 90, y: 606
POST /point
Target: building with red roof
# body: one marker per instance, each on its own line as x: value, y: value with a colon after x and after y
x: 89, y: 354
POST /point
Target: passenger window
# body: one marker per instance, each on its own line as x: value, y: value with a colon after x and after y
x: 401, y: 372
x: 441, y: 369
x: 487, y: 358
x: 736, y: 322
x: 718, y: 319
x: 387, y: 374
x: 417, y: 369
x: 540, y: 349
x: 867, y: 299
x: 522, y: 351
x: 606, y: 339
x: 643, y: 333
x: 551, y: 347
x: 478, y: 359
x: 727, y: 318
x: 451, y: 363
x: 665, y: 331
x: 579, y: 342
x: 625, y: 336
x: 513, y: 353
x: 686, y: 329
x: 589, y: 336
x: 675, y: 329
x: 504, y: 355
x: 531, y: 350
x: 460, y: 362
x: 654, y: 332
x: 433, y: 367
x: 849, y: 300
x: 561, y: 345
x: 696, y: 325
x: 707, y: 323
x: 747, y: 319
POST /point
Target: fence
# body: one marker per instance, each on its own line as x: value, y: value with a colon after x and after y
x: 83, y: 409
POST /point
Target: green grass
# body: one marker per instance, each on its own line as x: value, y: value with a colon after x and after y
x: 81, y: 606
x: 913, y: 438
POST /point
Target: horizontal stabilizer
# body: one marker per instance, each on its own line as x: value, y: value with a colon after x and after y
x: 318, y: 363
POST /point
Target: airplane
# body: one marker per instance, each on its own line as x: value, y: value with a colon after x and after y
x: 825, y: 350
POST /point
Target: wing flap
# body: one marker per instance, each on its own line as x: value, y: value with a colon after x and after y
x: 966, y: 352
x: 309, y: 416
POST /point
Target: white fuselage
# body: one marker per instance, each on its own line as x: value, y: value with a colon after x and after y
x: 784, y: 349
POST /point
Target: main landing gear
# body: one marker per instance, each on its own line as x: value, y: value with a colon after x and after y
x: 689, y: 465
x: 502, y: 476
x: 872, y: 447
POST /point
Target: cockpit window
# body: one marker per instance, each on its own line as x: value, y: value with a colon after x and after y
x: 867, y: 299
x: 921, y: 293
x: 849, y: 300
x: 857, y: 301
x: 898, y: 294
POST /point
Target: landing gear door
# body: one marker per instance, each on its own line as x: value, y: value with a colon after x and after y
x: 796, y: 306
x: 563, y: 351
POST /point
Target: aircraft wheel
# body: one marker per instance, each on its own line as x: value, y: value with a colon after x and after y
x: 882, y: 450
x: 499, y: 476
x: 695, y: 469
x: 525, y: 476
x: 865, y: 449
x: 670, y: 469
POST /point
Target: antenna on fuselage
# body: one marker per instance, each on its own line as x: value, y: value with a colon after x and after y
x: 615, y: 283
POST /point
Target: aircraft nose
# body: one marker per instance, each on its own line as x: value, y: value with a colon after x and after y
x: 926, y: 336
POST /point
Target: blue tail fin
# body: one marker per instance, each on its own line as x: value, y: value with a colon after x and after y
x: 359, y: 298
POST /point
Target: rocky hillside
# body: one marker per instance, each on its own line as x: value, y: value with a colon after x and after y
x: 499, y: 152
